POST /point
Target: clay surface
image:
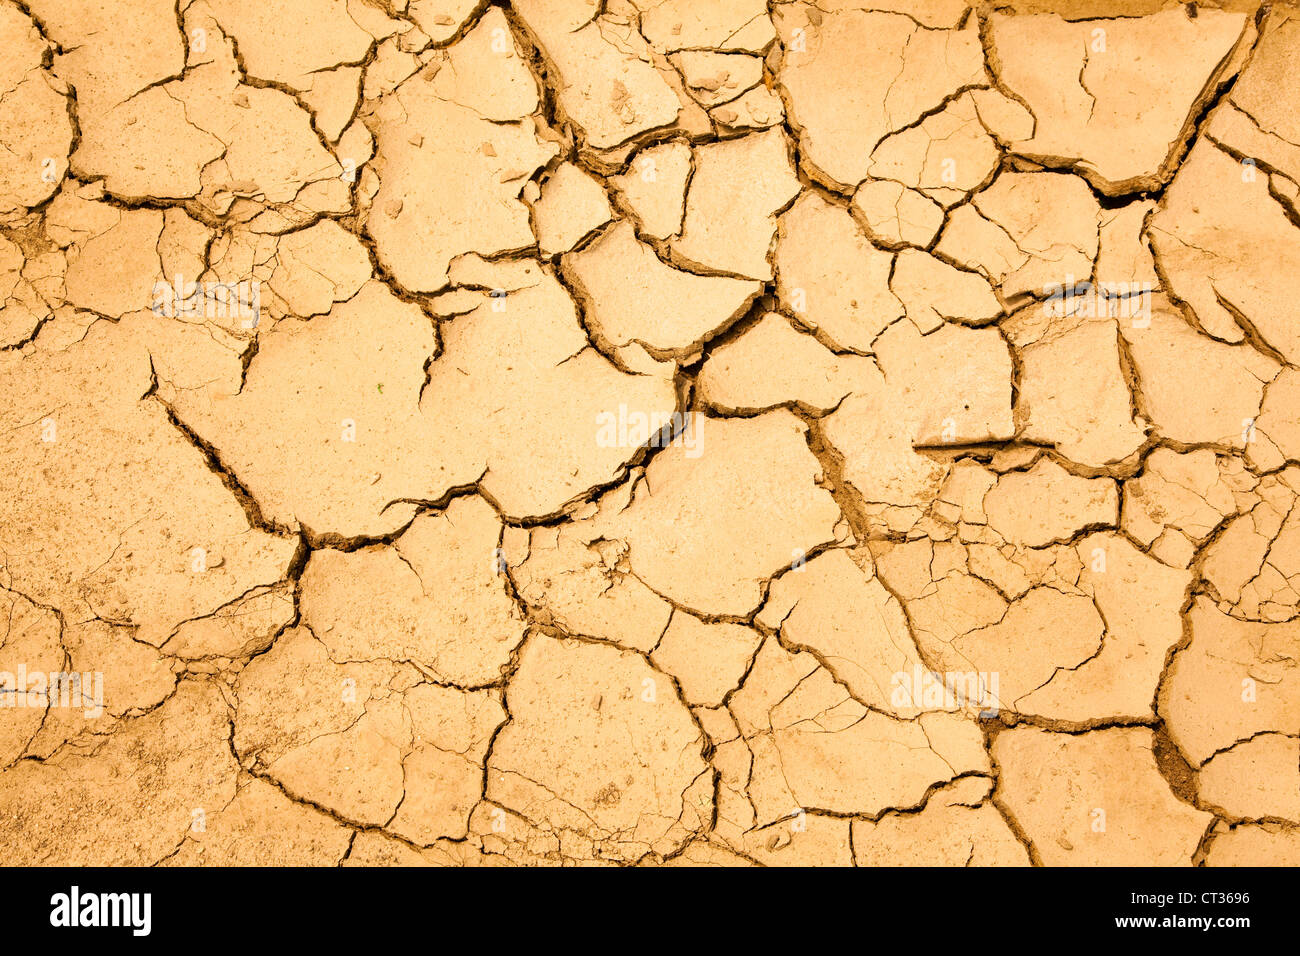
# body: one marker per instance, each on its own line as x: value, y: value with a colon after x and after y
x: 649, y: 432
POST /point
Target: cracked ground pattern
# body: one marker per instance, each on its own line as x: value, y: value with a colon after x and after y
x: 696, y: 432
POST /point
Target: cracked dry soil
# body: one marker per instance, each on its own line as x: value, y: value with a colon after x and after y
x: 706, y: 432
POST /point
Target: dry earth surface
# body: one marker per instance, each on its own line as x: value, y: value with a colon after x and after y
x: 706, y: 432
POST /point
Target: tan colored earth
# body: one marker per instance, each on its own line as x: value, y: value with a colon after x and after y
x: 646, y: 432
